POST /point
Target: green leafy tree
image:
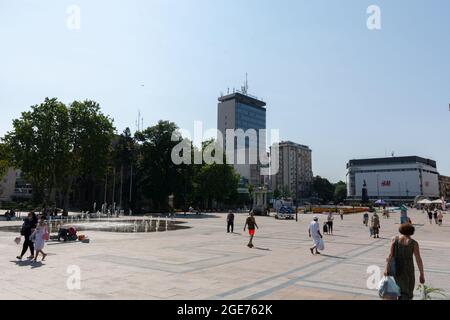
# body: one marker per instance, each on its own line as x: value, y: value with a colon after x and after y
x: 277, y: 194
x: 124, y: 158
x: 215, y: 181
x: 158, y: 175
x: 40, y: 147
x: 323, y: 188
x: 5, y: 157
x: 91, y: 134
x: 286, y: 193
x: 218, y: 182
x: 340, y: 191
x: 56, y: 146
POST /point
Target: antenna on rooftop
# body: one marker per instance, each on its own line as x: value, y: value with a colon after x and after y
x: 138, y: 121
x: 245, y: 86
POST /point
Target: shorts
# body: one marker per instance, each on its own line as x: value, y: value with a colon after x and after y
x: 251, y: 232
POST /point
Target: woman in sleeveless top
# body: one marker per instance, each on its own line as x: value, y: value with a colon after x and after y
x: 403, y: 248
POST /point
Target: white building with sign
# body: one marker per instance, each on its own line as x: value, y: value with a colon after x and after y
x: 394, y: 179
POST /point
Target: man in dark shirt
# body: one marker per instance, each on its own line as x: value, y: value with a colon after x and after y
x: 27, y: 229
x: 251, y: 223
x: 230, y: 222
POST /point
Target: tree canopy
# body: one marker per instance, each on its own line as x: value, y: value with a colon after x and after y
x: 53, y: 143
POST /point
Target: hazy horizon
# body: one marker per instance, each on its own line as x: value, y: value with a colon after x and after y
x: 329, y: 82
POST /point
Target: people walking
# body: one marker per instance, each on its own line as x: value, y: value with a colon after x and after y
x: 430, y: 216
x: 28, y: 227
x: 314, y: 233
x: 440, y: 217
x: 230, y: 222
x: 400, y: 262
x: 252, y: 226
x: 39, y: 236
x: 403, y: 215
x: 375, y: 225
x: 435, y: 216
x: 341, y: 213
x: 330, y: 219
x: 366, y: 219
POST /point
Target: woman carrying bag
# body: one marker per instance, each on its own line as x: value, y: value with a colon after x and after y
x: 400, y: 263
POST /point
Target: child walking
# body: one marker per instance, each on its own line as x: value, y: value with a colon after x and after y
x: 40, y: 235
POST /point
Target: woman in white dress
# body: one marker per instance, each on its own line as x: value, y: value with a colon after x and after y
x: 40, y: 236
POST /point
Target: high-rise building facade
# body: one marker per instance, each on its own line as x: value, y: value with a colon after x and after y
x: 295, y: 174
x: 240, y: 110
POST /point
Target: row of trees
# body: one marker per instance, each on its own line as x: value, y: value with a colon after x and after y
x: 329, y: 192
x: 72, y: 157
x: 322, y: 189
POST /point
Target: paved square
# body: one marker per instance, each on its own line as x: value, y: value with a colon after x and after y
x: 204, y: 262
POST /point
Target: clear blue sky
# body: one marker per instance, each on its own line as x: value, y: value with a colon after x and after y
x: 329, y: 82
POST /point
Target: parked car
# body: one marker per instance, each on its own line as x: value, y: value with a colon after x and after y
x: 285, y: 213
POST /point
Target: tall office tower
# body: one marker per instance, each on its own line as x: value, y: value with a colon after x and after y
x: 295, y: 174
x: 240, y: 110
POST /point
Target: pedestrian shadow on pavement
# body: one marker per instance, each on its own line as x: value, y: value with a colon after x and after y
x: 262, y: 249
x: 56, y: 243
x: 28, y: 263
x: 334, y: 257
x: 337, y: 235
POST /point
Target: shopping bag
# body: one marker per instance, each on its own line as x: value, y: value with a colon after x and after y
x: 46, y: 236
x: 321, y: 245
x: 388, y: 288
x: 17, y: 240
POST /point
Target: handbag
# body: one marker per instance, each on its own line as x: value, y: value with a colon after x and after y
x: 46, y: 235
x: 388, y: 288
x: 321, y: 245
x: 392, y: 264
